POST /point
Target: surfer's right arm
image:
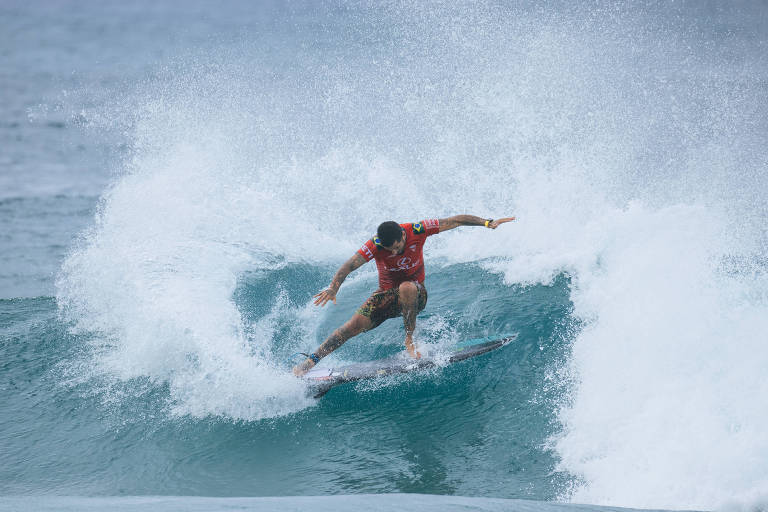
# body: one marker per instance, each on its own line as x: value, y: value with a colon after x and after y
x: 329, y: 293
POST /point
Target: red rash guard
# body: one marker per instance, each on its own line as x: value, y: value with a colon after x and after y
x: 408, y: 266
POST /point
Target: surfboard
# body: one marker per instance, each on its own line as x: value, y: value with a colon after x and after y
x: 323, y: 378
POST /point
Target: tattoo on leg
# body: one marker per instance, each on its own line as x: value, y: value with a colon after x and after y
x: 409, y: 319
x: 333, y: 342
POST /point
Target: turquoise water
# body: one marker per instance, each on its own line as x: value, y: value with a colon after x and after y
x: 177, y: 183
x: 446, y: 432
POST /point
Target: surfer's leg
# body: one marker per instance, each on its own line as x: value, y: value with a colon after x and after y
x: 354, y: 326
x: 412, y: 299
x: 383, y: 304
x: 409, y: 294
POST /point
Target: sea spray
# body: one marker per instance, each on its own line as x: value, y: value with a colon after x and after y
x: 626, y: 143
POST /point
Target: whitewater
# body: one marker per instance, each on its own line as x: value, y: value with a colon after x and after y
x: 156, y: 287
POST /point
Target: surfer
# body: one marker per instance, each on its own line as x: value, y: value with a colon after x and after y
x: 397, y: 249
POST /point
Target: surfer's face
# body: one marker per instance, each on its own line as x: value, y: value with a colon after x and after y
x: 398, y: 246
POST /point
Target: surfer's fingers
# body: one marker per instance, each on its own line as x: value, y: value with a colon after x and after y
x: 497, y: 222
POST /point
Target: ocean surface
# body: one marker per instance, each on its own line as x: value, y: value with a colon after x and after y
x: 178, y: 179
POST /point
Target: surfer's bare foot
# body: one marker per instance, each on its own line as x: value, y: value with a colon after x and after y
x: 300, y: 369
x: 411, y: 348
x: 414, y: 353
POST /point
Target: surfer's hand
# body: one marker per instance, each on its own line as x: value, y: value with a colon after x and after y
x: 324, y: 296
x: 497, y: 222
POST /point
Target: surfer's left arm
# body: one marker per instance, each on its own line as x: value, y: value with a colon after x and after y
x: 471, y: 220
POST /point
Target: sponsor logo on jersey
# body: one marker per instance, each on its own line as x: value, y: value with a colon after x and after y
x: 404, y: 264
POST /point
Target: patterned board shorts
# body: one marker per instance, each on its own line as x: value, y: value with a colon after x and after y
x: 386, y: 304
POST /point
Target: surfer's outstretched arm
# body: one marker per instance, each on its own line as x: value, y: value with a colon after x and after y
x: 471, y: 220
x: 329, y: 293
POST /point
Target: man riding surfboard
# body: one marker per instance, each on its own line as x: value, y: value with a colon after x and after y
x: 397, y: 249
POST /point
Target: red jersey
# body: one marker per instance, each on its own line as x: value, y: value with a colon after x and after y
x: 408, y: 266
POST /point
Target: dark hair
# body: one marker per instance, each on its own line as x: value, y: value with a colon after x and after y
x: 389, y: 232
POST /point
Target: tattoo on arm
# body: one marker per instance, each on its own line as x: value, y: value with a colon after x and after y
x: 460, y: 220
x: 351, y: 264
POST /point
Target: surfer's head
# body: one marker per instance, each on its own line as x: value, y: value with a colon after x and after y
x: 390, y: 236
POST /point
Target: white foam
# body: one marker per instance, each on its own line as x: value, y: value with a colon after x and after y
x: 667, y: 409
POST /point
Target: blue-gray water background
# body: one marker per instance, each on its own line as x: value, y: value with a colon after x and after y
x: 178, y: 179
